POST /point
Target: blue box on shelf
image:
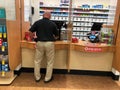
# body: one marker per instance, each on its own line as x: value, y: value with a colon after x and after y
x: 6, y: 69
x: 0, y: 28
x: 2, y: 13
x: 5, y: 44
x: 4, y: 29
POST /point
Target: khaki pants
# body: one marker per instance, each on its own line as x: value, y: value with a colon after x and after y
x: 47, y: 49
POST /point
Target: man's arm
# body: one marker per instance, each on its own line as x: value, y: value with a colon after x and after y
x: 56, y: 37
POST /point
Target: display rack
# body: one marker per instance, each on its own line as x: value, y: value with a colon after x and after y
x: 59, y: 16
x: 58, y: 12
x: 84, y: 16
x: 4, y: 62
x: 6, y: 76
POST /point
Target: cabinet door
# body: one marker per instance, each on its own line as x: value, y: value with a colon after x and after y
x: 116, y: 62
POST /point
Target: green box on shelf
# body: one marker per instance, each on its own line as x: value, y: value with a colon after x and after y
x: 2, y: 13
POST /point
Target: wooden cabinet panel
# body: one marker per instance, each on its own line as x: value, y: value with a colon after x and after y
x: 116, y: 62
x: 14, y: 38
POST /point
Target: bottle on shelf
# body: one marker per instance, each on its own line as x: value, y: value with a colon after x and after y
x: 4, y: 65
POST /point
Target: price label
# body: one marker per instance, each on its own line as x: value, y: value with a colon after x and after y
x: 4, y: 35
x: 3, y: 73
x: 3, y: 62
x: 3, y: 48
x: 0, y: 35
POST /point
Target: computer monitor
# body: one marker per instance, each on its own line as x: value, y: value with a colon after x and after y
x: 96, y: 26
x: 60, y: 24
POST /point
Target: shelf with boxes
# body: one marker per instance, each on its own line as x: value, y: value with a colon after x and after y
x: 58, y: 12
x: 107, y: 36
x: 94, y: 13
x: 59, y: 16
x: 4, y: 62
x: 85, y: 15
x: 82, y: 17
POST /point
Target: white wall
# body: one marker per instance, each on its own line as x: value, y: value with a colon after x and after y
x: 9, y: 5
x: 35, y: 4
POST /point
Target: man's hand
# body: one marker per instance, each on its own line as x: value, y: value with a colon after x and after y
x: 35, y: 45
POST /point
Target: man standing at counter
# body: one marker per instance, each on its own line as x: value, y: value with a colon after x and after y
x: 47, y: 33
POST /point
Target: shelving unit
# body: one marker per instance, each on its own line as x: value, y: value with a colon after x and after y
x: 58, y: 12
x: 4, y: 61
x: 11, y: 33
x: 6, y: 75
x: 84, y: 17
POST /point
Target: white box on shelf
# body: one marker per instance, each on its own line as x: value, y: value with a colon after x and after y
x: 82, y: 28
x: 75, y: 19
x: 74, y: 23
x: 78, y: 24
x: 82, y: 19
x: 66, y: 18
x: 79, y: 19
x: 63, y: 18
x: 80, y: 38
x: 56, y: 18
x: 82, y: 24
x: 60, y: 18
x: 78, y: 28
x: 81, y: 33
x: 85, y: 38
x: 77, y: 33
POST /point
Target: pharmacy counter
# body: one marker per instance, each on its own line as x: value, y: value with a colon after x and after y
x: 74, y: 56
x: 58, y: 44
x: 61, y: 55
x: 82, y: 46
x: 85, y: 46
